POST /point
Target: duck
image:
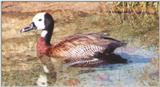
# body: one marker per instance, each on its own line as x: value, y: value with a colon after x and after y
x: 81, y: 49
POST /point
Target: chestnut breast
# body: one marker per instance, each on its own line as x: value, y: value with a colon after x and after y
x: 42, y: 47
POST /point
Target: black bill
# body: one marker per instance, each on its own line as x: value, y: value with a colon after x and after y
x: 28, y: 28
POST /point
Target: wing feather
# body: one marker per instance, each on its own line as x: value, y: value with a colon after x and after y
x: 66, y: 45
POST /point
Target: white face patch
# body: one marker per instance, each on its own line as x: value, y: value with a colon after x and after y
x: 44, y: 33
x: 38, y: 20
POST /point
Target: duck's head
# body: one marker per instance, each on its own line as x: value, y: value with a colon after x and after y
x: 41, y: 21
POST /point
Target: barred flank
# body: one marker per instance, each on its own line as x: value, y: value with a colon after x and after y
x: 83, y: 51
x: 83, y: 63
x: 80, y: 49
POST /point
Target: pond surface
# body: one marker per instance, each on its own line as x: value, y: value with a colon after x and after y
x: 21, y: 67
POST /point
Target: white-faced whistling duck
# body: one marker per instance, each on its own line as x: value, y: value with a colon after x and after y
x: 83, y: 49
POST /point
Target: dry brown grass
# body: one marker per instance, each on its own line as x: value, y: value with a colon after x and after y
x: 19, y: 63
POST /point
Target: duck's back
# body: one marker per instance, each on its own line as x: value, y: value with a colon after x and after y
x: 84, y: 45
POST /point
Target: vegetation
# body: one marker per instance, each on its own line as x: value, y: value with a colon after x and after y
x: 135, y: 22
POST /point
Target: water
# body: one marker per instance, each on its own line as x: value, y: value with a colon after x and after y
x: 122, y: 75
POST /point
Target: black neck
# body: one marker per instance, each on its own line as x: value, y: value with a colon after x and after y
x: 49, y: 25
x: 48, y: 36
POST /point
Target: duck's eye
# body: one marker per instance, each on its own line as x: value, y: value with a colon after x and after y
x: 40, y: 20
